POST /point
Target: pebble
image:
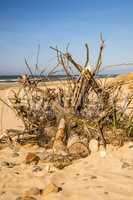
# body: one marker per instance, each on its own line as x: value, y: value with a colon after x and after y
x: 36, y: 168
x: 26, y: 198
x: 51, y: 188
x: 93, y: 177
x: 78, y: 149
x: 33, y: 191
x: 7, y: 164
x: 73, y: 124
x: 130, y: 145
x: 32, y: 158
x: 15, y: 154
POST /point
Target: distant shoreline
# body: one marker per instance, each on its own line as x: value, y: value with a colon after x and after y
x: 14, y: 78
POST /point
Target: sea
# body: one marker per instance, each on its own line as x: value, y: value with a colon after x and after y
x: 14, y: 78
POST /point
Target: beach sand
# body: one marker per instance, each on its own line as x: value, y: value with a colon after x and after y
x: 91, y: 178
x: 94, y: 177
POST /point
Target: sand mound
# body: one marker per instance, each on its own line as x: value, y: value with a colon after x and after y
x: 123, y: 78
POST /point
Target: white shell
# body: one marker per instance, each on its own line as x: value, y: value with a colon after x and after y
x: 93, y: 145
x: 103, y: 154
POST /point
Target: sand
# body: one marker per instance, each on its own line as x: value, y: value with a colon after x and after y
x: 91, y: 178
x: 94, y: 178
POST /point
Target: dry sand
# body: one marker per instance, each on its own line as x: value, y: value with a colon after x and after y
x: 91, y: 178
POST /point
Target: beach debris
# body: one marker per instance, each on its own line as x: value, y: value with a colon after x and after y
x: 50, y: 168
x: 71, y: 119
x: 36, y: 168
x: 51, y: 188
x: 26, y: 198
x: 59, y: 146
x: 33, y: 191
x: 62, y: 161
x: 103, y: 153
x: 32, y: 158
x: 78, y: 149
x: 51, y: 131
x: 127, y: 165
x: 93, y: 177
x: 130, y: 145
x: 8, y: 164
x: 15, y: 154
x: 93, y: 145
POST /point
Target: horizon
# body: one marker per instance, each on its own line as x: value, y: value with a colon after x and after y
x: 26, y: 24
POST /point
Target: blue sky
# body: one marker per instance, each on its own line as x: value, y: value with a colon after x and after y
x: 26, y: 23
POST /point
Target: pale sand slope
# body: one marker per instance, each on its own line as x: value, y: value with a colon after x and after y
x: 91, y: 178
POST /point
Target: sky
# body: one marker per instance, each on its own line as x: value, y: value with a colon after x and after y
x: 24, y: 24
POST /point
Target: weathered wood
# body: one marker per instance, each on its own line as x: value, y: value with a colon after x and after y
x: 77, y: 145
x: 59, y: 146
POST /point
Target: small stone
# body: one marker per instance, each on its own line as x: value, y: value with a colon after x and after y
x: 32, y: 158
x: 106, y: 192
x: 51, y: 188
x: 93, y: 145
x: 26, y: 198
x: 73, y: 124
x: 2, y: 192
x: 36, y: 168
x: 16, y: 173
x: 15, y: 154
x: 125, y: 165
x: 33, y: 191
x: 93, y: 177
x: 7, y: 164
x: 78, y: 149
x: 130, y: 145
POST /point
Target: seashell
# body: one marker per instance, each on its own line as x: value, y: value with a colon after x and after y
x: 103, y: 154
x: 93, y: 145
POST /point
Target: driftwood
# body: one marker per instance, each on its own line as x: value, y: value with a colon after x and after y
x: 59, y: 146
x: 93, y: 108
x: 86, y: 80
x: 77, y: 145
